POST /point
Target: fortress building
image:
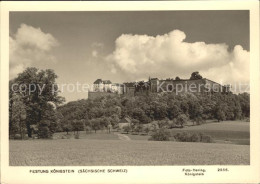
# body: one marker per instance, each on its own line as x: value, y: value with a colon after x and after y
x: 105, y: 88
x: 195, y: 84
x: 102, y: 85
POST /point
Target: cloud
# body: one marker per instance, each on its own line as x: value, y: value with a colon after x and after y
x: 168, y: 55
x: 29, y: 45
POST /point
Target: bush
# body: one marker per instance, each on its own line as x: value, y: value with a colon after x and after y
x: 193, y: 137
x: 146, y: 129
x: 153, y: 127
x: 161, y: 134
x: 182, y: 137
x: 44, y: 132
x: 126, y: 128
x: 17, y: 136
x: 138, y: 128
x: 172, y: 124
x: 206, y: 138
x: 163, y: 123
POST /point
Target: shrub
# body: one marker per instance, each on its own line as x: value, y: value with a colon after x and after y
x: 193, y: 137
x: 163, y: 123
x: 126, y: 128
x: 172, y: 124
x: 44, y: 132
x: 146, y: 129
x: 206, y: 138
x: 161, y: 134
x: 138, y: 128
x: 182, y: 137
x: 17, y: 136
x: 153, y: 127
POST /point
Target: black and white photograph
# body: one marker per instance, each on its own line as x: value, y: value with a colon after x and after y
x: 129, y: 88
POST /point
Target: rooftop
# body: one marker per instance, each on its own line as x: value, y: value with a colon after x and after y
x: 100, y: 81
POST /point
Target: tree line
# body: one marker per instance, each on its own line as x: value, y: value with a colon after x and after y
x: 103, y: 111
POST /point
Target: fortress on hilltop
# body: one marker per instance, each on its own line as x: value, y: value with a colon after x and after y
x: 196, y: 84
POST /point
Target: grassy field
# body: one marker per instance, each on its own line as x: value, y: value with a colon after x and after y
x: 230, y: 132
x: 83, y: 152
x: 102, y: 148
x: 235, y: 132
x: 99, y: 135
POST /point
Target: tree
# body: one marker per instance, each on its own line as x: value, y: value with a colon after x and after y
x: 139, y: 114
x: 59, y: 121
x: 177, y: 78
x: 114, y: 120
x: 38, y: 88
x: 237, y: 112
x: 160, y: 110
x: 173, y: 111
x: 66, y: 126
x: 220, y: 112
x: 244, y: 100
x: 77, y: 125
x: 48, y: 124
x: 195, y: 110
x: 95, y: 124
x: 18, y: 116
x: 195, y: 75
x: 181, y: 120
x: 220, y: 115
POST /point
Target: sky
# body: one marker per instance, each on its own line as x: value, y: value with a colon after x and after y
x: 129, y: 46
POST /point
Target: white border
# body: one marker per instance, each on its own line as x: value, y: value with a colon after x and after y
x: 139, y: 174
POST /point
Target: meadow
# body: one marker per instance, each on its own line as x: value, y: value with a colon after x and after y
x: 102, y: 148
x: 233, y: 132
x: 228, y: 132
x: 84, y: 152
